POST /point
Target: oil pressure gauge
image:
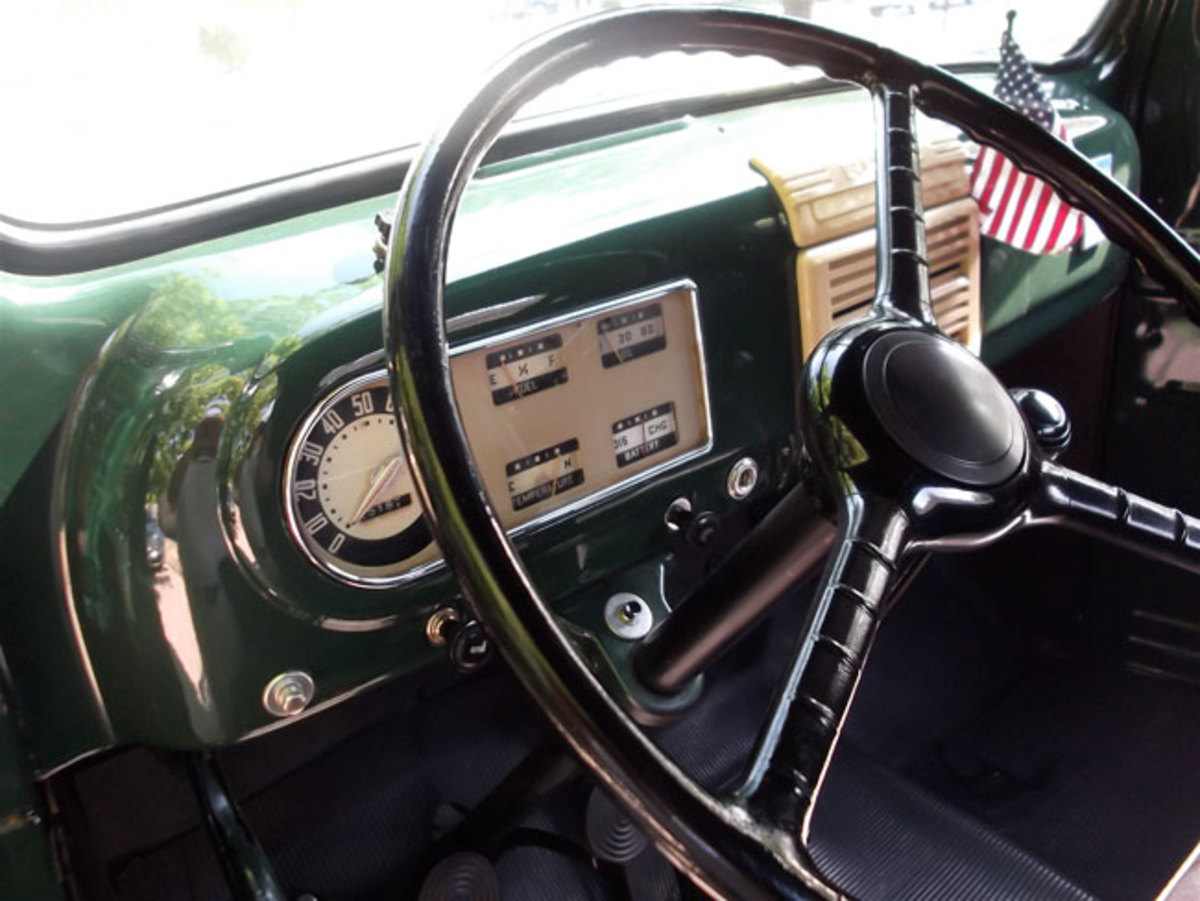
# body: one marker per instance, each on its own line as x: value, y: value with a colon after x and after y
x: 349, y: 496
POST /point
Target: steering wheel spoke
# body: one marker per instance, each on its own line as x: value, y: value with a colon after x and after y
x: 902, y: 263
x: 799, y: 736
x: 1117, y: 516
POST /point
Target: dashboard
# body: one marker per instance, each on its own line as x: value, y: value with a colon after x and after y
x: 626, y: 317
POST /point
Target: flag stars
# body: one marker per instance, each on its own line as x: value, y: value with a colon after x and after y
x: 1017, y: 208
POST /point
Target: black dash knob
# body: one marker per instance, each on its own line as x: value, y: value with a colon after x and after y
x: 703, y: 529
x: 469, y: 647
x: 1047, y: 419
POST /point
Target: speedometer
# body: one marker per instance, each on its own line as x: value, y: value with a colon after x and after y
x: 349, y: 495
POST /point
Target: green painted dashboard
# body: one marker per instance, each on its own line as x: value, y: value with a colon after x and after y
x: 149, y: 408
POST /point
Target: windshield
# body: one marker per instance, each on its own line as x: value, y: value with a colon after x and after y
x: 117, y: 106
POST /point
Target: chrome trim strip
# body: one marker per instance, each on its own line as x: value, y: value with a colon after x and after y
x: 550, y: 516
x: 63, y: 569
x: 58, y: 527
x: 491, y: 313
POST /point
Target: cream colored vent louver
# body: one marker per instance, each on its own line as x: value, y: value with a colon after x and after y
x: 831, y: 217
x: 836, y: 279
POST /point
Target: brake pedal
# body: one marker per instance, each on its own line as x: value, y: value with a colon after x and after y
x: 461, y: 877
x: 611, y: 835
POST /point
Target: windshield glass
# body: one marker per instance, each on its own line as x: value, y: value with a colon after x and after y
x: 118, y: 106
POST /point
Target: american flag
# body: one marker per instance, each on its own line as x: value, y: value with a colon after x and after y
x: 1017, y: 208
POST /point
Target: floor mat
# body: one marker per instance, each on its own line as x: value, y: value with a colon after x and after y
x: 881, y: 838
x: 1093, y: 770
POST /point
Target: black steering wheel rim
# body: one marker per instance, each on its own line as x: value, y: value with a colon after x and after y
x: 721, y: 844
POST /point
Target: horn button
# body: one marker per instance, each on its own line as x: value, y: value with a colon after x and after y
x: 944, y: 408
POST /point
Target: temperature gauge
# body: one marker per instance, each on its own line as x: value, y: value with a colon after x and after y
x: 540, y: 476
x: 627, y: 336
x: 525, y: 369
x: 645, y: 433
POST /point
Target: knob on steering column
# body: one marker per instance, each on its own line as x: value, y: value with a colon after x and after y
x: 1047, y: 419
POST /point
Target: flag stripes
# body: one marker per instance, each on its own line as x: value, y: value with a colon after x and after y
x: 1014, y: 206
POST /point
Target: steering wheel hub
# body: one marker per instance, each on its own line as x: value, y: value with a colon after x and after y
x: 944, y: 408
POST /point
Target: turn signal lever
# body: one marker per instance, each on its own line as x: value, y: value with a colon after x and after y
x: 1047, y: 419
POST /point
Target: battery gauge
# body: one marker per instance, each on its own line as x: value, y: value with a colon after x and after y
x: 642, y: 434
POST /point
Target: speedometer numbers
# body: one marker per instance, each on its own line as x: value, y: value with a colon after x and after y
x: 351, y: 503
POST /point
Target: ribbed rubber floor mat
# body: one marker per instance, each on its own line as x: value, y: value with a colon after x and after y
x: 881, y: 837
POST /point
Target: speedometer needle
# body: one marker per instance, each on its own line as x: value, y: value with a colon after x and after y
x: 381, y: 483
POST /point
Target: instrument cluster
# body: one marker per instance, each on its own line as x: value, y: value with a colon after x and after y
x: 561, y: 415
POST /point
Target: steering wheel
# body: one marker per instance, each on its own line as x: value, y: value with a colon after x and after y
x: 919, y: 444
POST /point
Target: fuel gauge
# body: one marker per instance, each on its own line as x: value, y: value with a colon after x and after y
x: 524, y: 369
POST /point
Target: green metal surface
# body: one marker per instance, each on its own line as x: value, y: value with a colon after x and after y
x: 191, y: 351
x: 180, y: 379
